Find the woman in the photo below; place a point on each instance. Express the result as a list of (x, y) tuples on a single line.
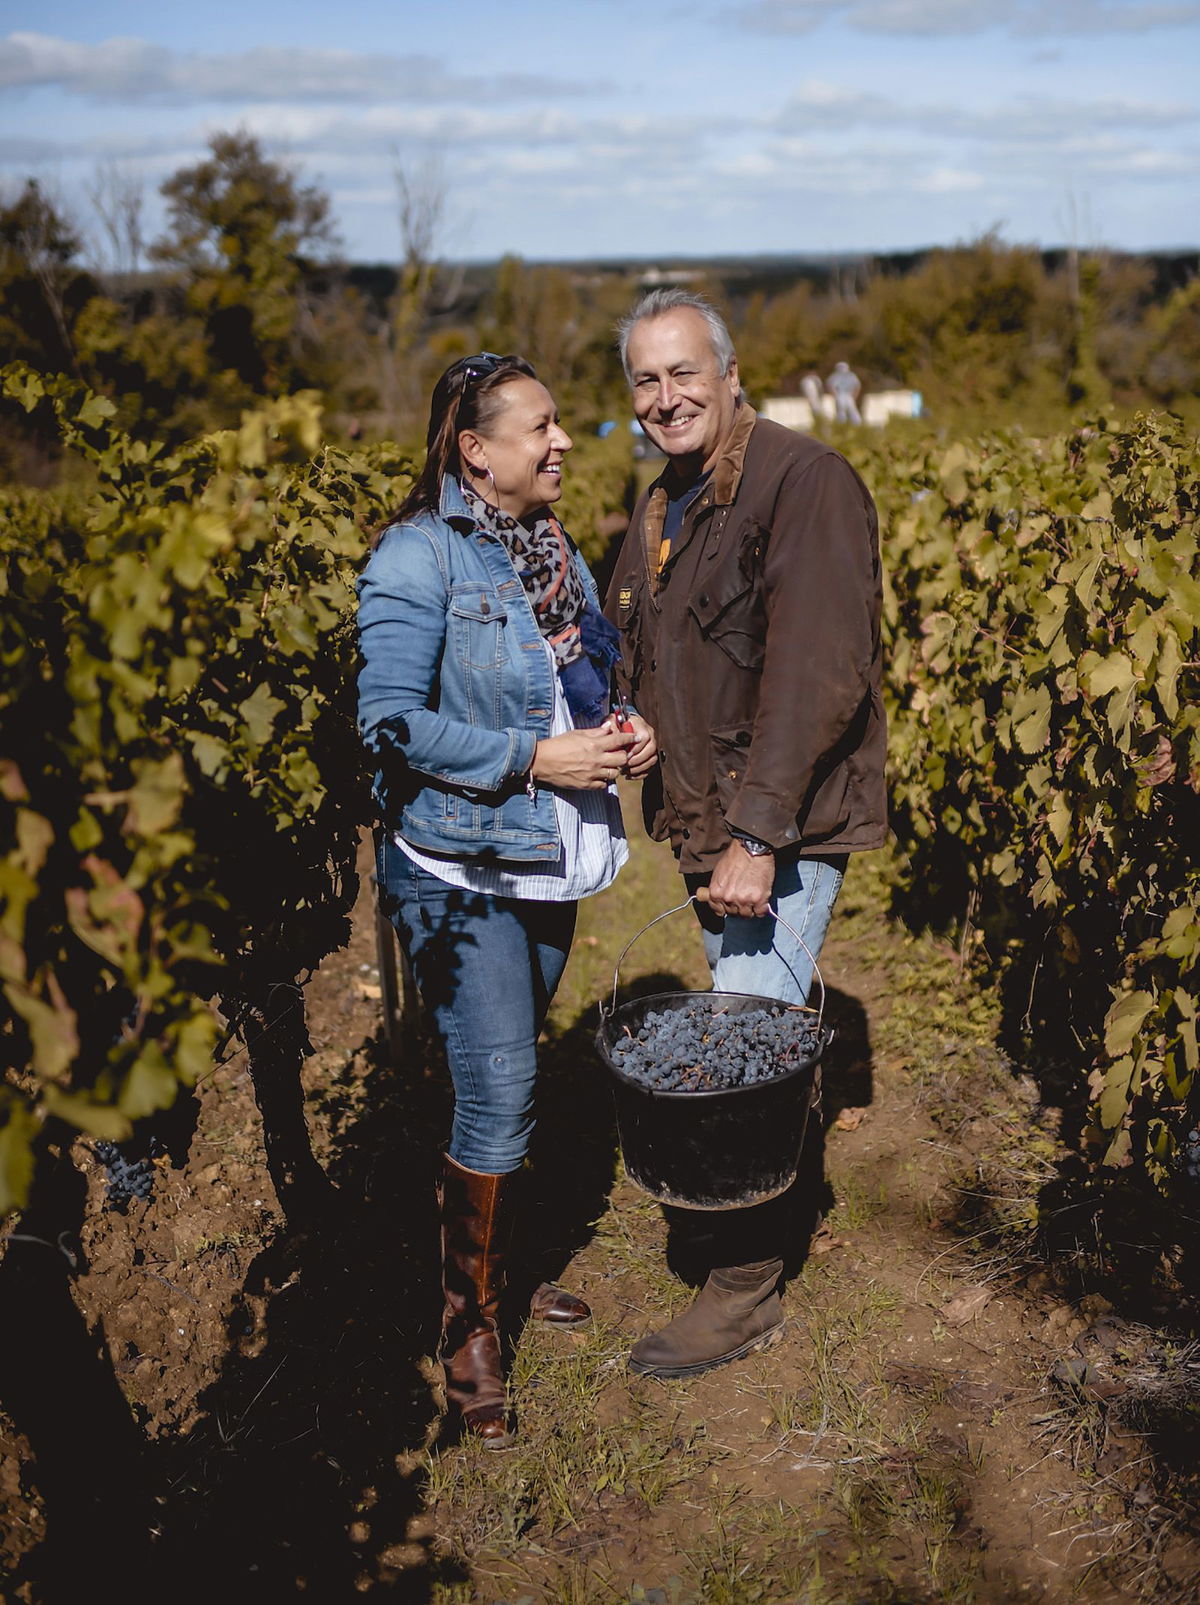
[(484, 697)]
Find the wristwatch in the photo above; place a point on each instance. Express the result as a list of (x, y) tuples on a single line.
[(754, 847)]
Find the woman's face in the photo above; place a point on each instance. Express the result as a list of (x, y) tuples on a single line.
[(524, 447)]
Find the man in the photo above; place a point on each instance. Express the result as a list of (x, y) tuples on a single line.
[(748, 595), (845, 387)]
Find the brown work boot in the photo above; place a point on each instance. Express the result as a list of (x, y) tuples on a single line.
[(476, 1226), (736, 1311)]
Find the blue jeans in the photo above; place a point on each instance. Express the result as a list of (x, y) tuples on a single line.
[(761, 955), (487, 968)]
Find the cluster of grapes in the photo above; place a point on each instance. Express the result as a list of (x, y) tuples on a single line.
[(1191, 1155), (127, 1178), (698, 1049)]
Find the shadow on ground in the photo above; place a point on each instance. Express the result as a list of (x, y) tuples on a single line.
[(304, 1474)]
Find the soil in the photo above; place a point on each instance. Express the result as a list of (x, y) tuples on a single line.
[(206, 1396)]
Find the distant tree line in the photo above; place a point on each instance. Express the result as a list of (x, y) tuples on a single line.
[(245, 297)]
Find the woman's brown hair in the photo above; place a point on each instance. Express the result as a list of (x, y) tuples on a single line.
[(465, 397)]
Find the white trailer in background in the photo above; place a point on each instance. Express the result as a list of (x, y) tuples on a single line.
[(877, 406)]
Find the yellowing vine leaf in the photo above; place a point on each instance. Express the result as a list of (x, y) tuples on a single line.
[(1124, 1021)]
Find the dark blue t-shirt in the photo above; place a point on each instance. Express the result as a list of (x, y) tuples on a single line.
[(677, 505)]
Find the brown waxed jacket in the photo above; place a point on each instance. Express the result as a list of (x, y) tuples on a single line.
[(756, 654)]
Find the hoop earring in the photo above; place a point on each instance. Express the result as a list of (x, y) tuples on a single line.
[(479, 473)]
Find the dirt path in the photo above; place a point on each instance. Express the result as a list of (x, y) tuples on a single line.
[(260, 1400)]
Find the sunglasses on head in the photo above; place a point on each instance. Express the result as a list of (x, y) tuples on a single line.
[(478, 367)]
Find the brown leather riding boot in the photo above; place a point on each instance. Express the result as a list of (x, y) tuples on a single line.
[(476, 1226), (554, 1306), (736, 1311)]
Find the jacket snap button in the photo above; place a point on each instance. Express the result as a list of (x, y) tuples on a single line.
[(653, 664), (483, 606), (743, 739), (733, 774), (703, 599)]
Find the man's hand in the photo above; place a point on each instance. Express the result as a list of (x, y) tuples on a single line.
[(643, 754), (741, 884)]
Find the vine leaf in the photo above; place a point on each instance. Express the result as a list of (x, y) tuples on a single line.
[(1031, 717), (260, 710)]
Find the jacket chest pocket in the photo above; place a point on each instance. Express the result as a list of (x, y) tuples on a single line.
[(729, 606), (476, 622)]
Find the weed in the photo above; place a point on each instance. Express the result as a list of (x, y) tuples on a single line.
[(857, 1203), (763, 1553), (218, 1243)]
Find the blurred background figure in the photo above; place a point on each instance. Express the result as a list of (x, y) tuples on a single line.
[(813, 392), (845, 387)]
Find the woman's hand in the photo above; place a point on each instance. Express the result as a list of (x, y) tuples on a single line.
[(581, 760), (643, 754)]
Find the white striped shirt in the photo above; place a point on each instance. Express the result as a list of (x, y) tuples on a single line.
[(589, 827)]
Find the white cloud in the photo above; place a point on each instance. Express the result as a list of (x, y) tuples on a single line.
[(1022, 118), (830, 167), (133, 71), (784, 16), (949, 181), (928, 16), (949, 17)]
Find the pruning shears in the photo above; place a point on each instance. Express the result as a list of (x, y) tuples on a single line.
[(624, 722)]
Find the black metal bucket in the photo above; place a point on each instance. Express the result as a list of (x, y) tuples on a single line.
[(723, 1149)]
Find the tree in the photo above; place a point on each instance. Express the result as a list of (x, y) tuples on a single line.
[(41, 292), (119, 200), (244, 233), (43, 300)]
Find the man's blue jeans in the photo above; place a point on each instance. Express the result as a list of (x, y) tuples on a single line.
[(487, 968), (762, 956)]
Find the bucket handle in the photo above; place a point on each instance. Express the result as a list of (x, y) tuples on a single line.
[(678, 909)]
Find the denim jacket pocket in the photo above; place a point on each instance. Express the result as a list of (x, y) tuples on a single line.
[(476, 623)]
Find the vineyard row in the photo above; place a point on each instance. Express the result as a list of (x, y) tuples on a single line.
[(181, 788)]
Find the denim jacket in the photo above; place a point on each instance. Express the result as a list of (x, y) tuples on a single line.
[(455, 688)]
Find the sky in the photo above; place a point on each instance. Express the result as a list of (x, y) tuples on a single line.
[(604, 128)]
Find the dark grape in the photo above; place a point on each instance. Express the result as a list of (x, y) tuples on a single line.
[(127, 1177), (701, 1047), (1190, 1155)]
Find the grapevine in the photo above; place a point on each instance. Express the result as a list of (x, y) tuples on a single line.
[(181, 785), (1042, 630)]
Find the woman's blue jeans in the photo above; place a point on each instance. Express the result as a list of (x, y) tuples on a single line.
[(761, 955), (487, 968)]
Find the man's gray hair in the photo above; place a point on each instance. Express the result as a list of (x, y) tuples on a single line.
[(656, 302)]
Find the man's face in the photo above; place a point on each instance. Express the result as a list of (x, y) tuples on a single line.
[(681, 400)]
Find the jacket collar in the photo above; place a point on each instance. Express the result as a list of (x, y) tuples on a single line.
[(452, 506), (727, 470)]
